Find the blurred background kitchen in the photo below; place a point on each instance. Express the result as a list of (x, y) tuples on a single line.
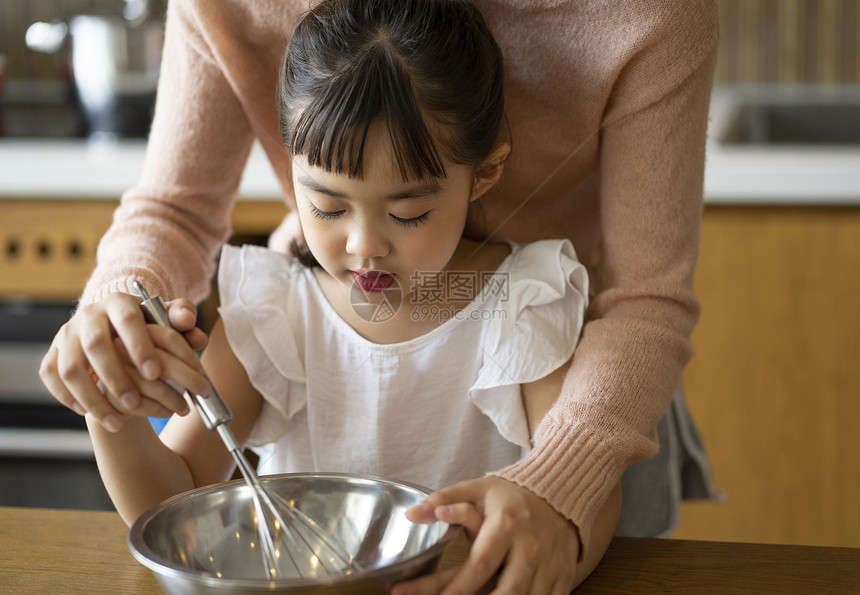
[(774, 385)]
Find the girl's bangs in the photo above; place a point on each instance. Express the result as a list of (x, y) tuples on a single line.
[(331, 131)]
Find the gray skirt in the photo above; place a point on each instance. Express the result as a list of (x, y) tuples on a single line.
[(653, 489)]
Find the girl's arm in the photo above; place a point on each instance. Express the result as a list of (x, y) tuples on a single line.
[(202, 449), (136, 468), (539, 396), (140, 468)]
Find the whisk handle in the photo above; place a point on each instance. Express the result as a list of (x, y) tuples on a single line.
[(212, 409)]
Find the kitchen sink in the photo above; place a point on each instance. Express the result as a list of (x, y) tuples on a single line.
[(786, 115), (793, 144)]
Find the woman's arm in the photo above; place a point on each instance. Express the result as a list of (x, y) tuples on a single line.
[(629, 361), (538, 398), (166, 229)]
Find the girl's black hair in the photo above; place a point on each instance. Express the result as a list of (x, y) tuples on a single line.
[(429, 69)]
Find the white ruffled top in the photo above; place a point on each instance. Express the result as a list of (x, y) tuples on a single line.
[(434, 410)]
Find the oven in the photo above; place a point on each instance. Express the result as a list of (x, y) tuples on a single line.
[(46, 457)]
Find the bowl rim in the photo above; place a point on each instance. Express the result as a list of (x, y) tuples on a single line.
[(161, 566)]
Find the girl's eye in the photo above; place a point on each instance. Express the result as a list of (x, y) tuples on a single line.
[(320, 214), (412, 221)]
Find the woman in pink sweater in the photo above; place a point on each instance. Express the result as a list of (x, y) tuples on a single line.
[(607, 104)]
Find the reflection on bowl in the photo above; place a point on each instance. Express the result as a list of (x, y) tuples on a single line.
[(204, 541)]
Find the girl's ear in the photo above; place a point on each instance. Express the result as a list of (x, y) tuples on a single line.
[(489, 172)]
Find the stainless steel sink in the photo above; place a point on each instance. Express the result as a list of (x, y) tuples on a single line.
[(784, 144), (786, 115)]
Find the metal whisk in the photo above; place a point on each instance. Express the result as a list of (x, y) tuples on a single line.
[(292, 544)]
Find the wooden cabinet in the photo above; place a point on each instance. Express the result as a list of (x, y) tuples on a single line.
[(48, 247), (775, 382)]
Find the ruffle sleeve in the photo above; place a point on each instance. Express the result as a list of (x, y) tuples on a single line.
[(535, 326), (258, 290)]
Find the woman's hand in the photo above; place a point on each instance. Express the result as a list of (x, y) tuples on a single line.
[(514, 533), (109, 345)]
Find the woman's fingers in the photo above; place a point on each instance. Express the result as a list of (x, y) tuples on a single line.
[(178, 360), (49, 373), (108, 362), (486, 556), (463, 514), (466, 491), (181, 370), (517, 537), (97, 330), (70, 374), (524, 571), (179, 366), (126, 318), (83, 351), (183, 317), (161, 400)]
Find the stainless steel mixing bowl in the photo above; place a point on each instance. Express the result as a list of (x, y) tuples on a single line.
[(205, 540)]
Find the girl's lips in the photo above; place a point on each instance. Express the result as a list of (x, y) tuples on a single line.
[(372, 281)]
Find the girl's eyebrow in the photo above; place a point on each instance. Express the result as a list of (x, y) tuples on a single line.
[(422, 190), (311, 184)]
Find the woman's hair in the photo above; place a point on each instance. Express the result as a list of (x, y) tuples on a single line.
[(429, 70)]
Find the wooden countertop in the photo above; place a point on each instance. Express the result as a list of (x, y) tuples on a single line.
[(63, 551)]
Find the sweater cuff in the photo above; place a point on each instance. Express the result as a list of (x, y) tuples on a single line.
[(574, 468), (119, 280)]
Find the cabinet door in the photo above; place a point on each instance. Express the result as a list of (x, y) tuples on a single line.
[(49, 246), (775, 382)]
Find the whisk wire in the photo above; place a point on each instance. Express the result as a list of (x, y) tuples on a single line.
[(327, 553)]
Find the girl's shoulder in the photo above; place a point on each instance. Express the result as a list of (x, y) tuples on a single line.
[(253, 269), (249, 255), (541, 256), (488, 257), (545, 269)]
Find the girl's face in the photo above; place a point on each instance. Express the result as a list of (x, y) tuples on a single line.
[(379, 229)]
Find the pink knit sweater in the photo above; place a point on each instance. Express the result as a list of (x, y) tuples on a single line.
[(607, 101)]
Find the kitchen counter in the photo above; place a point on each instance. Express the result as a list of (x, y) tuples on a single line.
[(81, 169), (782, 176), (53, 551), (78, 169)]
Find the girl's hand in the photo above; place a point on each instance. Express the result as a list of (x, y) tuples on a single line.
[(514, 533), (109, 341)]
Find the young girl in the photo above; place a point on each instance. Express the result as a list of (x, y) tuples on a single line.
[(389, 343)]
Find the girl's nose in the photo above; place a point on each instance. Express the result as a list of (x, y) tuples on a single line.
[(363, 242)]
